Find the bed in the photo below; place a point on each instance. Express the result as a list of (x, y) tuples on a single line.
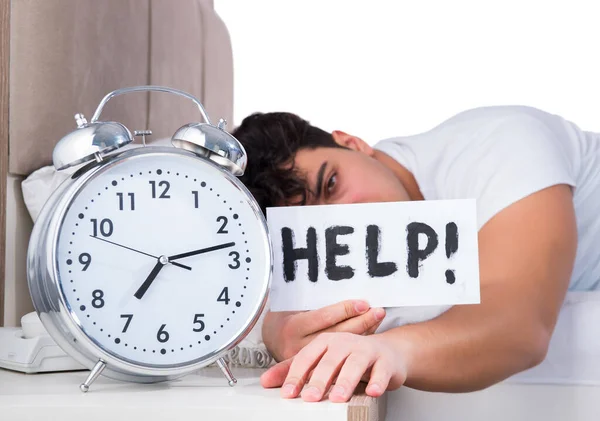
[(59, 57)]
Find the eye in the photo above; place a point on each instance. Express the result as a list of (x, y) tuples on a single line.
[(331, 183)]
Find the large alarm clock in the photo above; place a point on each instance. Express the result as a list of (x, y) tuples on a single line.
[(153, 262)]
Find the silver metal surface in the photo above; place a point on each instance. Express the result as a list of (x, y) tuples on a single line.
[(145, 89), (94, 139), (89, 141), (143, 133), (226, 371), (96, 371), (54, 311), (212, 143)]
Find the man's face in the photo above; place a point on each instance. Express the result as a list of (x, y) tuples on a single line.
[(341, 176)]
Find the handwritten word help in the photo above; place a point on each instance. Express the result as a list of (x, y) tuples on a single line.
[(375, 268), (390, 254)]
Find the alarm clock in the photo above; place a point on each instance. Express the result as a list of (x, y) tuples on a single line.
[(152, 262)]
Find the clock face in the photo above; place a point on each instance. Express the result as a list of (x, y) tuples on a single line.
[(162, 259)]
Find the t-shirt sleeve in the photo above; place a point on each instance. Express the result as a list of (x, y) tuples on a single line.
[(520, 156)]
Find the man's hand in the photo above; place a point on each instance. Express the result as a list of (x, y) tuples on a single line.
[(347, 356), (286, 333)]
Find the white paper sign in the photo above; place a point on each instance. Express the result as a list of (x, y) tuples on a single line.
[(391, 254)]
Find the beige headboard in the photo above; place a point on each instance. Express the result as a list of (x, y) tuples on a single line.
[(60, 57)]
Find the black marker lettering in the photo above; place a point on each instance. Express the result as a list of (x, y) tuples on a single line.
[(415, 255), (376, 268), (451, 248), (291, 254), (333, 249), (451, 239)]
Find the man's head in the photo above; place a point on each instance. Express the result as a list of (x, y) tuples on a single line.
[(291, 162)]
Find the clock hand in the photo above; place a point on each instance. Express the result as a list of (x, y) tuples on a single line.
[(200, 251), (141, 252), (162, 261)]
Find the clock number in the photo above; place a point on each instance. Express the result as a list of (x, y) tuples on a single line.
[(106, 227), (162, 335), (85, 259), (198, 321), (236, 259), (164, 194), (131, 201), (98, 301), (128, 317), (222, 230), (195, 193), (224, 296)]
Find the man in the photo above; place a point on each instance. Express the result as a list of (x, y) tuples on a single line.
[(536, 181)]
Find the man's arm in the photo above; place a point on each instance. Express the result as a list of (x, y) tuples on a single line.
[(526, 255)]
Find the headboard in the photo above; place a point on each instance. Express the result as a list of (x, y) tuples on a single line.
[(60, 57)]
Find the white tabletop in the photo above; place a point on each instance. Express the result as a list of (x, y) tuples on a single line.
[(202, 396), (206, 396)]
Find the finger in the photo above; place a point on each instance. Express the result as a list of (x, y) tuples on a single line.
[(305, 361), (350, 375), (275, 375), (364, 323), (324, 373), (374, 328), (380, 378), (316, 320)]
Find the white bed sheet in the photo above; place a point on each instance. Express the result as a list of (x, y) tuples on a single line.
[(574, 354)]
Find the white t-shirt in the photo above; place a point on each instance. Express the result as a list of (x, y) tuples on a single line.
[(499, 155)]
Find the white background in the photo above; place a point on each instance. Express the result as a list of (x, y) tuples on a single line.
[(383, 68)]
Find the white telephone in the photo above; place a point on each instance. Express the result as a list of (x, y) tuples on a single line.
[(30, 349)]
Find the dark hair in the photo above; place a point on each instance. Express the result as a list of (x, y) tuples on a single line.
[(271, 141)]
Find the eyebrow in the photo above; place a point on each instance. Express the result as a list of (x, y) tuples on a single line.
[(320, 179)]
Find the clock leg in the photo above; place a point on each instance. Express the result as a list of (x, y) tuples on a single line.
[(85, 386), (226, 371)]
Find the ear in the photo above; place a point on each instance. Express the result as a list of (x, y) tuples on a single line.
[(352, 142)]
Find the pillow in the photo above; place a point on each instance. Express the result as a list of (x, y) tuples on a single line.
[(40, 184)]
